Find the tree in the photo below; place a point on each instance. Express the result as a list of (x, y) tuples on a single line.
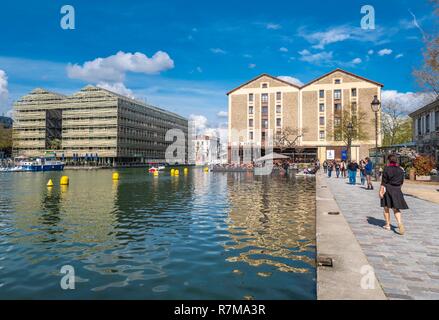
[(348, 126), (5, 139), (396, 125), (428, 75), (287, 138)]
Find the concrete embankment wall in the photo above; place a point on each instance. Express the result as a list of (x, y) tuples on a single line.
[(351, 277)]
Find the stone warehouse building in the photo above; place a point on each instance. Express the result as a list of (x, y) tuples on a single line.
[(92, 124), (311, 111)]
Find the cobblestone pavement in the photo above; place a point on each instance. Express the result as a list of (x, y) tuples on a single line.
[(406, 266)]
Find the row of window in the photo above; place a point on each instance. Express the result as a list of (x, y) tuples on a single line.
[(264, 97), (264, 123), (424, 123), (337, 95)]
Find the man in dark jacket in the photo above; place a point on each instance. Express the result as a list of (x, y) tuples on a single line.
[(352, 172)]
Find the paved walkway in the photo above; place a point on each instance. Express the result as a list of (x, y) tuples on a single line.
[(422, 190), (406, 266)]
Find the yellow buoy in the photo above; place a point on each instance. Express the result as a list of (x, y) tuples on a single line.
[(50, 183), (172, 172), (64, 181), (176, 172), (156, 173), (115, 176), (185, 170), (206, 169)]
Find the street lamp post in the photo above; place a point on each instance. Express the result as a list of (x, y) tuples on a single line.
[(350, 129), (376, 105)]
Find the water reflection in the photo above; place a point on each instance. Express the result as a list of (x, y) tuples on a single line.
[(213, 236), (272, 222)]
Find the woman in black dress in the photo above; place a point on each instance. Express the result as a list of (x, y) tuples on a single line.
[(391, 194)]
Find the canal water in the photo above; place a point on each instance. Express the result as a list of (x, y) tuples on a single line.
[(200, 236)]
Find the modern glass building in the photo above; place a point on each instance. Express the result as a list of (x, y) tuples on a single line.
[(93, 124)]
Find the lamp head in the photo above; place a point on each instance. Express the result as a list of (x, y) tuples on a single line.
[(375, 104)]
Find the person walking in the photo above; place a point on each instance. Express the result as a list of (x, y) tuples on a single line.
[(369, 171), (391, 194), (337, 169), (343, 169), (325, 166), (352, 172), (362, 172), (330, 168)]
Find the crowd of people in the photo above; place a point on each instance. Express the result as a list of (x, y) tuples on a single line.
[(350, 169), (392, 179)]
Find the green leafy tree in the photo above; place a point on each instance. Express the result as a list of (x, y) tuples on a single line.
[(5, 138), (349, 126)]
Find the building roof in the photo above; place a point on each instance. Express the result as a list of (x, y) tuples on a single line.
[(40, 94), (431, 105), (260, 76), (344, 71), (307, 84)]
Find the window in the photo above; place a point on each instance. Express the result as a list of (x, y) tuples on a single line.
[(278, 96), (337, 81), (353, 92), (337, 122), (354, 107), (321, 93), (436, 120), (322, 121), (250, 110), (427, 123), (264, 123), (263, 136), (264, 85), (250, 135), (278, 109), (322, 135), (250, 122), (250, 97), (265, 111), (278, 122), (337, 107), (419, 126), (322, 107), (264, 97), (337, 94)]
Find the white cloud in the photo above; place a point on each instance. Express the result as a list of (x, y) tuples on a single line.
[(117, 87), (218, 51), (199, 121), (292, 80), (4, 93), (273, 26), (316, 58), (114, 68), (409, 101), (222, 114), (283, 49), (252, 65), (199, 69), (323, 38), (384, 52), (400, 55), (357, 61), (320, 39), (248, 56), (370, 52)]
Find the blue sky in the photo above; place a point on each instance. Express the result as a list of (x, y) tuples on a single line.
[(205, 48)]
